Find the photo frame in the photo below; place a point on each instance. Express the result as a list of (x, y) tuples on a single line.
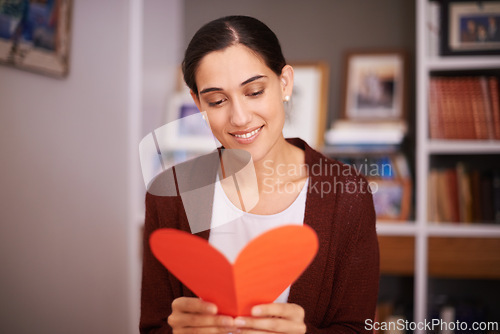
[(470, 27), (375, 86), (35, 35), (392, 199), (187, 129), (388, 178), (307, 110)]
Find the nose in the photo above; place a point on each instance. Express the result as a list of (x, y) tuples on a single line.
[(240, 116)]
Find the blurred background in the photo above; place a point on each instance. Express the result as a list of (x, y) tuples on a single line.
[(71, 204)]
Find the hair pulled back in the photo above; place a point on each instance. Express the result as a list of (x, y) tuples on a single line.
[(227, 31)]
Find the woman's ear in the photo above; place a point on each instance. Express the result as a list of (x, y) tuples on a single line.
[(196, 100), (286, 79)]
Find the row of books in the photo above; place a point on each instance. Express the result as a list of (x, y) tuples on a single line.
[(463, 195), (464, 107)]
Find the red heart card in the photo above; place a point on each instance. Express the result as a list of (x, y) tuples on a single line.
[(262, 271)]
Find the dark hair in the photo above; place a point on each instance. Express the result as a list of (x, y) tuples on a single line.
[(231, 30)]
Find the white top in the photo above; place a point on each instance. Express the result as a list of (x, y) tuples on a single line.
[(241, 227)]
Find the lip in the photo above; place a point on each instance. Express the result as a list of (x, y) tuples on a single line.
[(250, 139)]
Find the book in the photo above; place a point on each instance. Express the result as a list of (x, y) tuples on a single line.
[(464, 193), (467, 111), (487, 212), (479, 104), (435, 105), (345, 132), (432, 197), (496, 196), (452, 184), (495, 105), (475, 184), (488, 108), (444, 205)]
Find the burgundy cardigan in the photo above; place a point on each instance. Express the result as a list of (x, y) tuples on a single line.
[(338, 291)]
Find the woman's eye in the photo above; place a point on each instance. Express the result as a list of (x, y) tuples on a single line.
[(257, 93), (216, 103)]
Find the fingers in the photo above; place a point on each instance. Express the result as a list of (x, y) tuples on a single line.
[(192, 315), (273, 325), (193, 305), (202, 330), (282, 310), (191, 320), (275, 318)]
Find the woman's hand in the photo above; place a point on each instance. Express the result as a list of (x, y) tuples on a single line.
[(192, 315), (273, 318)]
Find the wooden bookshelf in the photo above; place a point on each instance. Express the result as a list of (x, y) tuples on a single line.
[(455, 251)]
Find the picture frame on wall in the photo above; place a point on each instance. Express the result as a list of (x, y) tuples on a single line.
[(306, 111), (470, 27), (375, 86), (35, 35), (186, 128)]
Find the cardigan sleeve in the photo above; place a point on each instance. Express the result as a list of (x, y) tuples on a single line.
[(356, 277), (158, 285)]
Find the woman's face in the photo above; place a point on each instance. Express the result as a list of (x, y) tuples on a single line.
[(243, 99)]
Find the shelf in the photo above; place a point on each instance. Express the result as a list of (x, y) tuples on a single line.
[(455, 257), (397, 255), (396, 228), (464, 230), (443, 146), (454, 63)]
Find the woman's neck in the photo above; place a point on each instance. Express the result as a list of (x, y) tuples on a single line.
[(284, 162)]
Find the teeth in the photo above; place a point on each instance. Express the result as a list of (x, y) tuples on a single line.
[(248, 134)]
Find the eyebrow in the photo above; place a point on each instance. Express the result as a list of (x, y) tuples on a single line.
[(215, 89)]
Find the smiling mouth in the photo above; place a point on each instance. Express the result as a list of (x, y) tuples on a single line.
[(248, 134)]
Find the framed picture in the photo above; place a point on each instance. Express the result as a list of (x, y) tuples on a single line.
[(186, 128), (470, 27), (35, 35), (375, 86), (392, 199), (307, 110)]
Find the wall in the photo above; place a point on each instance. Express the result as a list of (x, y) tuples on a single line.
[(64, 185), (319, 29), (162, 54)]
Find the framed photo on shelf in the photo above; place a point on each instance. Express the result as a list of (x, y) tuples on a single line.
[(470, 27), (375, 86), (392, 199), (35, 35), (307, 110)]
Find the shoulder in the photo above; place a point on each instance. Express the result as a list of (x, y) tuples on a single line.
[(325, 169), (332, 181)]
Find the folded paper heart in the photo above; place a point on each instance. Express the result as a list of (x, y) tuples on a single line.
[(261, 272)]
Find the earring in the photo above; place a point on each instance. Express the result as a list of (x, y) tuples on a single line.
[(287, 98)]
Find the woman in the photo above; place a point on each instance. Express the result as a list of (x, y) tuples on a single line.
[(236, 72)]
